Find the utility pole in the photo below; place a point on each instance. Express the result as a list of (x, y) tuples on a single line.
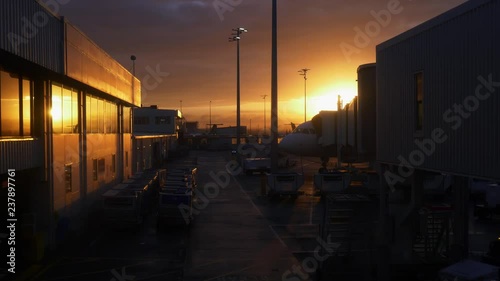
[(303, 72)]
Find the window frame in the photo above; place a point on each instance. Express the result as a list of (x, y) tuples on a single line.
[(21, 110)]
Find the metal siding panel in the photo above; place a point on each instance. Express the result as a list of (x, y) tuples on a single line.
[(89, 64), (20, 155), (452, 55), (42, 43), (366, 112)]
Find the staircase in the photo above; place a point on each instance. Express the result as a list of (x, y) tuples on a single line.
[(433, 238), (337, 232), (345, 230)]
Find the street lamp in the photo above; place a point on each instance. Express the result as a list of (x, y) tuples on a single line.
[(264, 97), (236, 36), (274, 87), (303, 72), (133, 58)]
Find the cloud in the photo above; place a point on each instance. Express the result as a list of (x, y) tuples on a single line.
[(188, 39)]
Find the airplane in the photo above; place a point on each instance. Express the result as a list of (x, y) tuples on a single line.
[(303, 141), (306, 140)]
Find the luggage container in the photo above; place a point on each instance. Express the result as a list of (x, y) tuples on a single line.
[(335, 181), (176, 183), (191, 173), (285, 183), (122, 206), (175, 205), (143, 189), (251, 165), (177, 177), (162, 176)]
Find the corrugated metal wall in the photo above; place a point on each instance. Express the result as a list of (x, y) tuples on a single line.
[(88, 63), (452, 53), (366, 123), (29, 31), (20, 155), (350, 119)]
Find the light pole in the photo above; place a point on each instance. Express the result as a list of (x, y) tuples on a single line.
[(303, 72), (274, 88), (133, 58), (264, 97), (236, 36)]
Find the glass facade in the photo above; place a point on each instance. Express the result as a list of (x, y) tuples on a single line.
[(27, 88), (64, 109), (16, 104), (126, 120), (102, 116)]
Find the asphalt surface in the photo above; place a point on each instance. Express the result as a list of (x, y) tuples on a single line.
[(236, 234)]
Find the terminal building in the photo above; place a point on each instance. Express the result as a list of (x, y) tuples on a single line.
[(65, 121), (154, 136), (437, 128)]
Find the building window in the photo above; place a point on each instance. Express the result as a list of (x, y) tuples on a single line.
[(68, 178), (101, 166), (102, 116), (64, 109), (126, 120), (113, 163), (101, 113), (159, 120), (111, 118), (16, 105), (94, 116), (419, 94), (27, 97), (94, 169), (141, 120)]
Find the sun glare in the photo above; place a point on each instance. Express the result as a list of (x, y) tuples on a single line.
[(326, 99)]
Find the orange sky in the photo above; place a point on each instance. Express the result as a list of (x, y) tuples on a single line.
[(189, 40)]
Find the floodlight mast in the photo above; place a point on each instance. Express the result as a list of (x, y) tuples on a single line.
[(303, 72), (236, 36)]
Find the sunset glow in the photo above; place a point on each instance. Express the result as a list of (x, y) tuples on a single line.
[(202, 64)]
